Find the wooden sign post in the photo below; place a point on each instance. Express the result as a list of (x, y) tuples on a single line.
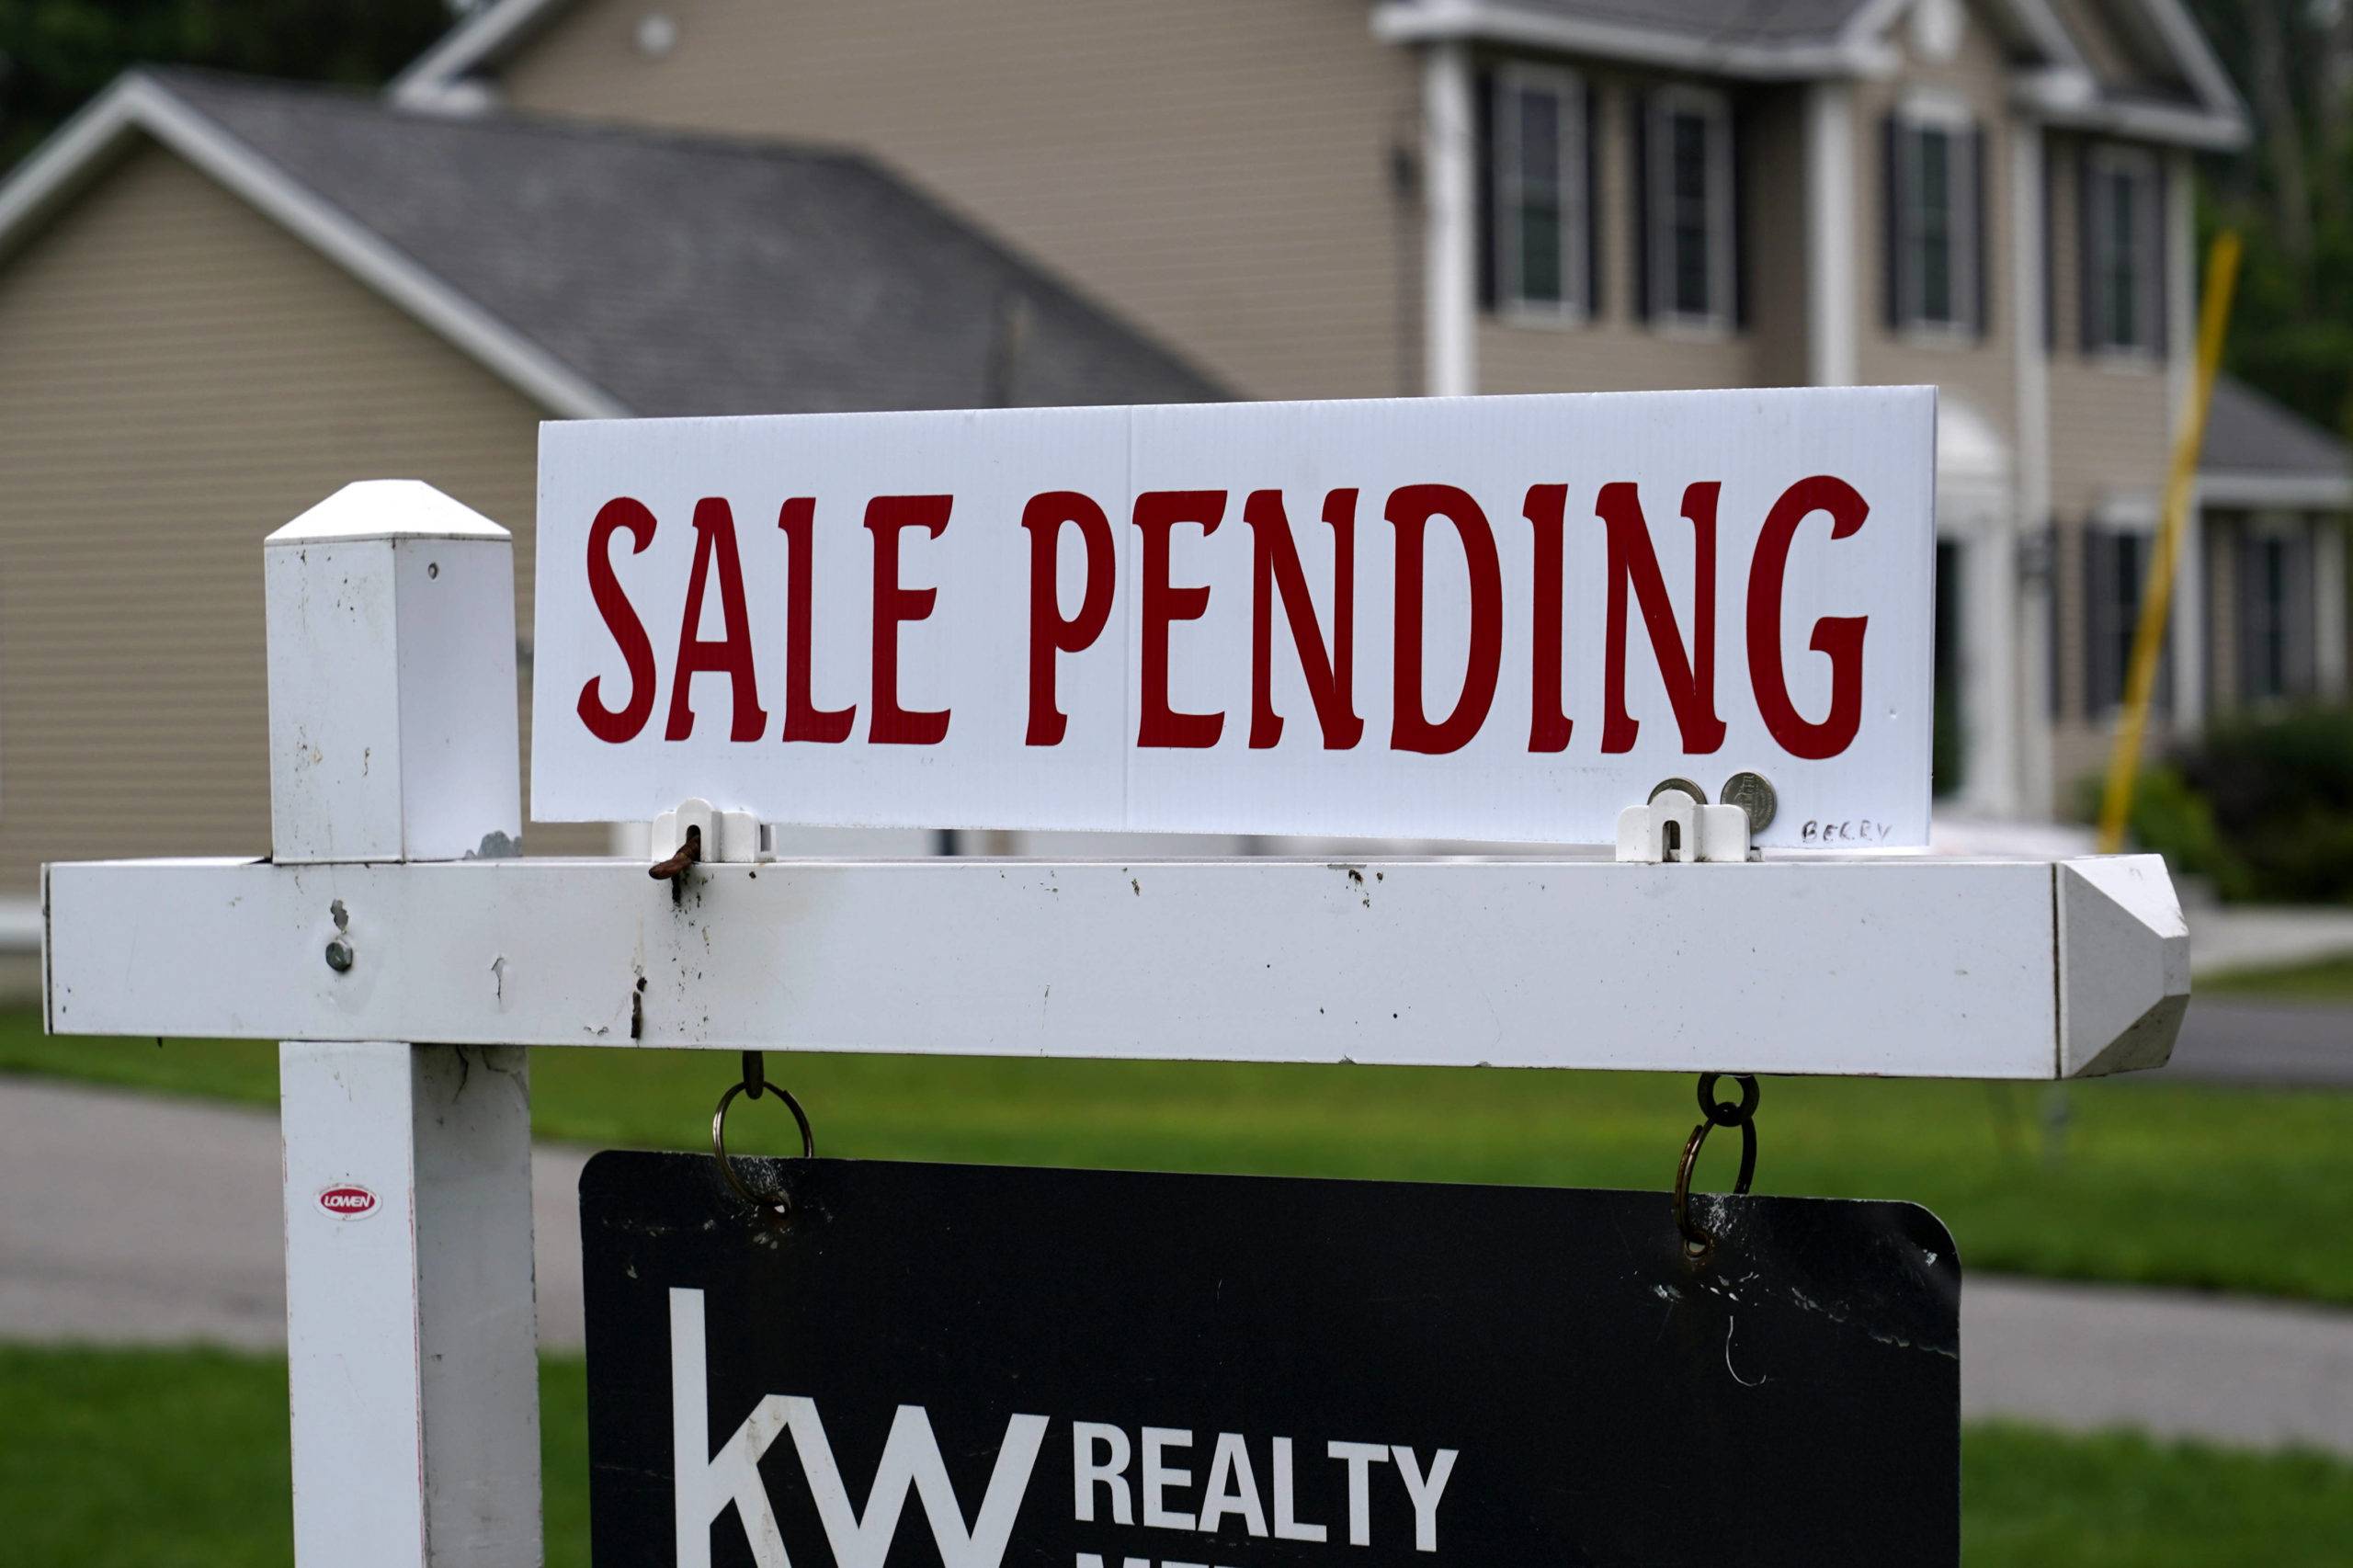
[(393, 910)]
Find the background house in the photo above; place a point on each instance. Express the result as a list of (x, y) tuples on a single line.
[(1335, 198), (219, 299)]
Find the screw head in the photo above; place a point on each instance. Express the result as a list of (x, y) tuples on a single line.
[(339, 955), (1753, 793)]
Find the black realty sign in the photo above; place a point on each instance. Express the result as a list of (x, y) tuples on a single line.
[(983, 1367)]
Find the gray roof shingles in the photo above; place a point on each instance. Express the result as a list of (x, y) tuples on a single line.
[(691, 275), (2248, 432)]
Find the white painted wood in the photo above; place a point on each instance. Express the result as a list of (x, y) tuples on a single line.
[(2124, 1011), (393, 721), (1879, 965), (411, 1356), (1818, 505)]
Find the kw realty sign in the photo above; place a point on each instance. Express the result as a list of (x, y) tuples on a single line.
[(1482, 617), (977, 1368)]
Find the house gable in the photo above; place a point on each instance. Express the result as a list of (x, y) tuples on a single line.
[(179, 375), (1235, 176)]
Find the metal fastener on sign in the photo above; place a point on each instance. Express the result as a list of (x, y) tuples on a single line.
[(1753, 793), (1663, 785), (339, 955)]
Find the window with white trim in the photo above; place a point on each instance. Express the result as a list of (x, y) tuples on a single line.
[(1689, 184), (2276, 575), (1937, 217), (2124, 249), (2116, 578), (1541, 210)]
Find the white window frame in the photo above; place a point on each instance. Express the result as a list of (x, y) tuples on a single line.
[(1568, 89), (2140, 165), (1667, 105), (1954, 119)]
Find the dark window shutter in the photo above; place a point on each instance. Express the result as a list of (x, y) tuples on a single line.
[(2050, 247), (1639, 108), (2161, 290), (1738, 174), (1892, 189), (1490, 213), (1593, 253), (2103, 668), (2090, 330), (2054, 687), (2249, 603), (1979, 232)]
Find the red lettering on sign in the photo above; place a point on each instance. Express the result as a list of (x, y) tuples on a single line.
[(1331, 673), (731, 654), (1840, 637), (804, 720), (1690, 680), (1547, 721), (1411, 508), (1157, 514), (886, 515), (1050, 633), (620, 515)]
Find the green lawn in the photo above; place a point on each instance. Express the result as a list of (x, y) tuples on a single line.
[(177, 1460), (2322, 980), (2180, 1184)]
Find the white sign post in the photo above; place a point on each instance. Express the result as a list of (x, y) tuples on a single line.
[(393, 912)]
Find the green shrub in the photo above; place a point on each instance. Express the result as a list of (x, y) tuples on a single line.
[(2277, 793), (2171, 818)]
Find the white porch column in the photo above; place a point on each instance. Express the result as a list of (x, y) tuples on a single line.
[(1450, 202), (410, 1331), (2033, 566), (1831, 248), (2328, 608)]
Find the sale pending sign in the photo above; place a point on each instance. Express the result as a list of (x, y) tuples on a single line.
[(1500, 618)]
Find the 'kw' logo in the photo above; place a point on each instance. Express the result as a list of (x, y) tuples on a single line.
[(911, 1460)]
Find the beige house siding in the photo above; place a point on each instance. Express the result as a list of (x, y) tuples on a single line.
[(178, 378), (2110, 427), (1232, 175), (1980, 368), (1616, 350)]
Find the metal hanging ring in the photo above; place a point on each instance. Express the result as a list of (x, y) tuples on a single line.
[(1700, 1242), (777, 1205), (1724, 1113)]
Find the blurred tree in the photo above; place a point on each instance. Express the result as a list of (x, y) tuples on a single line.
[(2291, 195), (55, 55)]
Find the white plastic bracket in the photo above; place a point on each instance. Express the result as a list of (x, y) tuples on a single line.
[(728, 837), (1674, 827)]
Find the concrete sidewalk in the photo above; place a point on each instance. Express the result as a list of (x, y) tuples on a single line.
[(126, 1220)]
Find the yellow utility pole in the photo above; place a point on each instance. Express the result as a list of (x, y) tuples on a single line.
[(2156, 596)]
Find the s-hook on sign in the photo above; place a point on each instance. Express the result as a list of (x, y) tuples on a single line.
[(1500, 618)]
